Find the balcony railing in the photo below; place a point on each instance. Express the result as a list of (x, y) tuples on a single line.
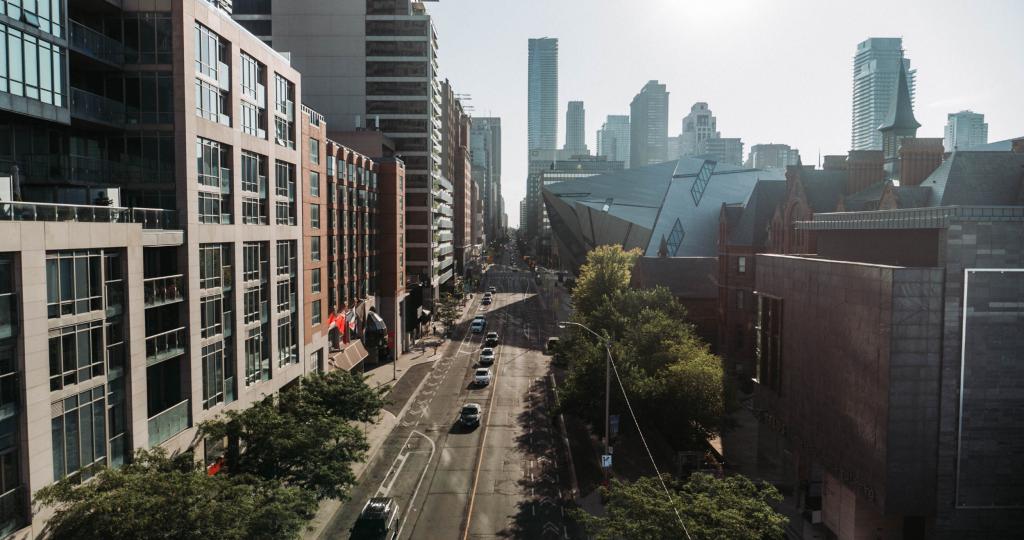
[(165, 345), (62, 168), (163, 290), (97, 108), (169, 423), (92, 43), (149, 218)]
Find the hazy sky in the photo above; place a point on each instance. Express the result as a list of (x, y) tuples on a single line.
[(771, 71)]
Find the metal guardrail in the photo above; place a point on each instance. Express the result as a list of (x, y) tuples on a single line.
[(149, 218), (169, 423), (165, 345), (163, 290), (95, 107), (92, 43)]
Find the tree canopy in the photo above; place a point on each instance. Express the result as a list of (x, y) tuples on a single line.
[(732, 507), (160, 497)]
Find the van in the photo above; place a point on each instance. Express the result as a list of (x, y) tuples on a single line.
[(552, 345)]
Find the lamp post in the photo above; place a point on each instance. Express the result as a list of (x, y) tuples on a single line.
[(607, 378)]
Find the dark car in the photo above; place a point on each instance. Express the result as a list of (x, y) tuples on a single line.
[(470, 415), (491, 340), (377, 521), (486, 301)]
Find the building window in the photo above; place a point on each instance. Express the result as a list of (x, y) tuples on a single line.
[(314, 151), (79, 433), (257, 362), (254, 211), (213, 163), (287, 348), (211, 310), (769, 342), (314, 281), (286, 257), (740, 299), (316, 316), (218, 375), (314, 184), (741, 265), (74, 282), (254, 97), (284, 107), (31, 67), (254, 120), (284, 182), (254, 255), (314, 216), (214, 208), (314, 248), (285, 300), (76, 354), (212, 102), (209, 51), (214, 265)]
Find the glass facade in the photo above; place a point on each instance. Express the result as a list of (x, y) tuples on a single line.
[(31, 67)]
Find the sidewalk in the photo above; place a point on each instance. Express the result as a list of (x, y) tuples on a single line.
[(428, 349)]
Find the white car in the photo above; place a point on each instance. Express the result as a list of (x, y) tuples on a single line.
[(482, 376), (487, 356), (477, 326)]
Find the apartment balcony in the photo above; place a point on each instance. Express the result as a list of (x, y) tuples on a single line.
[(444, 196), (64, 168), (166, 345), (442, 183), (95, 45), (160, 291), (149, 218), (95, 108), (169, 423)]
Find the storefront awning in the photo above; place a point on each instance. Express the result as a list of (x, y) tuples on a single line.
[(375, 323), (350, 357), (424, 315)]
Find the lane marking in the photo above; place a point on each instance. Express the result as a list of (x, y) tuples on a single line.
[(412, 500)]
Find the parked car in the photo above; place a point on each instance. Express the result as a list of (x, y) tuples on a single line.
[(477, 326), (482, 376), (377, 521), (491, 340), (487, 356), (470, 415)]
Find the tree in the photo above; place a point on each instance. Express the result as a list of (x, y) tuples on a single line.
[(307, 439), (448, 310), (732, 507), (160, 497), (607, 271)]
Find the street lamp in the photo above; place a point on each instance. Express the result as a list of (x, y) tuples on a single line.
[(607, 377)]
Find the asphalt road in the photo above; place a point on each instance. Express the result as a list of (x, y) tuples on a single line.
[(500, 480)]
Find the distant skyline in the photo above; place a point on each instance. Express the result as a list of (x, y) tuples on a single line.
[(774, 72)]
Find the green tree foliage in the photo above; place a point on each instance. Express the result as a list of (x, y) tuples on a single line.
[(733, 507), (172, 498), (307, 439), (448, 309), (663, 365)]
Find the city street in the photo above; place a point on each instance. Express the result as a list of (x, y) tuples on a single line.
[(502, 479)]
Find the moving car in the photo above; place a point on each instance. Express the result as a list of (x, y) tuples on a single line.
[(552, 345), (491, 340), (492, 289), (487, 356), (482, 376), (486, 301), (470, 415), (377, 521), (478, 325)]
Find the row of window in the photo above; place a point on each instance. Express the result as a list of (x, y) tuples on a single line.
[(213, 166), (31, 67)]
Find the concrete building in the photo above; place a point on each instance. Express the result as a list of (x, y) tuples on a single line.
[(542, 94), (965, 129), (576, 129), (773, 155), (724, 150), (613, 138), (147, 204), (698, 126), (648, 128), (876, 68), (884, 383), (485, 155), (457, 169), (373, 64)]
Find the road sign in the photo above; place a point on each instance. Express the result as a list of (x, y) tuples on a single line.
[(606, 461)]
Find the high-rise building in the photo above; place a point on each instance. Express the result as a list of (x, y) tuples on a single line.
[(485, 150), (779, 156), (542, 94), (648, 126), (613, 138), (456, 168), (522, 214), (152, 239), (725, 150), (698, 126), (876, 68), (575, 129), (964, 130), (375, 66)]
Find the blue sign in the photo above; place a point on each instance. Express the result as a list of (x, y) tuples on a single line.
[(606, 461)]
